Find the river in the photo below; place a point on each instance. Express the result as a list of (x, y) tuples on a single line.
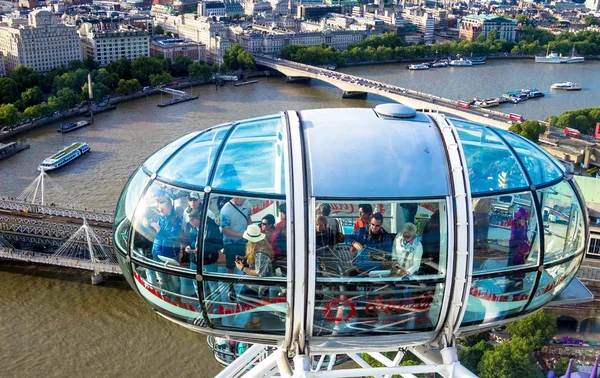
[(54, 323)]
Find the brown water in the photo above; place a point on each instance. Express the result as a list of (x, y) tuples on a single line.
[(54, 323)]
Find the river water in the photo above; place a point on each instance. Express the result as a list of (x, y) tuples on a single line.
[(54, 323)]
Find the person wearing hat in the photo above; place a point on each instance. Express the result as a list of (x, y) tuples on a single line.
[(258, 262), (195, 205), (518, 245)]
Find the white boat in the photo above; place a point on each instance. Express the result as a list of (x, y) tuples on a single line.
[(489, 103), (440, 63), (461, 62), (555, 58), (68, 127), (417, 67), (64, 156), (566, 86)]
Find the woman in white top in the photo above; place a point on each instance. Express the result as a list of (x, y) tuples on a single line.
[(407, 249)]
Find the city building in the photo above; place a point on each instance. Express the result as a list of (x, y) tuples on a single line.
[(2, 70), (172, 48), (39, 42), (593, 5), (422, 19), (316, 11), (211, 8), (256, 7), (105, 46), (473, 25)]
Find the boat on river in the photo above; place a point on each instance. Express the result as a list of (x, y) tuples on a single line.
[(417, 67), (566, 86), (68, 127), (462, 62), (10, 149), (64, 156), (477, 60), (555, 58), (440, 63)]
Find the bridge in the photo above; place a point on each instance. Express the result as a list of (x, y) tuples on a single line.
[(358, 87), (35, 229)]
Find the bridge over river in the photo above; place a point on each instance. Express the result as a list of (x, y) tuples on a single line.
[(358, 87)]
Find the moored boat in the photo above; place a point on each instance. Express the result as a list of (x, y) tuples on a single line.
[(68, 127), (533, 93), (417, 67), (476, 60), (64, 156), (554, 58), (461, 62), (566, 86), (10, 149), (440, 63), (489, 103)]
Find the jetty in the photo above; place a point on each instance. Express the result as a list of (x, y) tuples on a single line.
[(178, 96)]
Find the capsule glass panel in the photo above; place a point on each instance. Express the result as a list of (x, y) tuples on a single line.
[(252, 160), (380, 266), (192, 165), (539, 166), (498, 298), (563, 222), (155, 161), (126, 206), (553, 280), (505, 232), (490, 163)]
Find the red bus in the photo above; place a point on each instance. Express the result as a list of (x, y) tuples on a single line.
[(572, 132), (515, 117), (463, 104)]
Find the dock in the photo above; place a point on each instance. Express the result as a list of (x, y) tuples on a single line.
[(245, 83), (177, 101)]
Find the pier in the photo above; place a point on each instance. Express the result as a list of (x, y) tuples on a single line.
[(178, 96)]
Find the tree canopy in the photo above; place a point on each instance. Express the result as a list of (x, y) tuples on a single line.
[(529, 129)]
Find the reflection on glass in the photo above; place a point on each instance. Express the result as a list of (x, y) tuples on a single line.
[(490, 163), (180, 298), (192, 165), (155, 161), (497, 298), (252, 160), (553, 280), (563, 222), (376, 308), (539, 166), (505, 232), (126, 206)]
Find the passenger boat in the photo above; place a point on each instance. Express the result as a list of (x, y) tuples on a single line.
[(461, 62), (476, 60), (68, 127), (489, 103), (440, 63), (566, 86), (533, 93), (556, 58), (10, 149), (417, 67), (64, 156)]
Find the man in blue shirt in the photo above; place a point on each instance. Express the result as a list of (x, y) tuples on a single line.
[(235, 218), (373, 245)]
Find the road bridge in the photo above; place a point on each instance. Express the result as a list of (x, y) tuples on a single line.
[(358, 87)]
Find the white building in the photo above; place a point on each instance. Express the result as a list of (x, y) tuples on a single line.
[(105, 46), (593, 5), (211, 8), (211, 33), (41, 42), (2, 70), (473, 25), (424, 21)]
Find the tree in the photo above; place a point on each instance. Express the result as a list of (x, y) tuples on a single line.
[(32, 96), (99, 91), (143, 67), (9, 91), (199, 70), (529, 129), (471, 356), (180, 65), (562, 365), (537, 329), (32, 112), (590, 20), (102, 76), (160, 79), (25, 77), (510, 359), (521, 19), (128, 86), (552, 120), (120, 67), (469, 341), (68, 97), (9, 115), (159, 30), (90, 64)]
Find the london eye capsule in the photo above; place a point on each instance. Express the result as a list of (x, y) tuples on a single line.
[(336, 231)]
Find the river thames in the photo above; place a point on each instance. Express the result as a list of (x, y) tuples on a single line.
[(54, 323)]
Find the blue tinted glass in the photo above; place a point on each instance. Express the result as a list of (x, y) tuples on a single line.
[(540, 167), (253, 158), (155, 161), (490, 163), (192, 164)]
